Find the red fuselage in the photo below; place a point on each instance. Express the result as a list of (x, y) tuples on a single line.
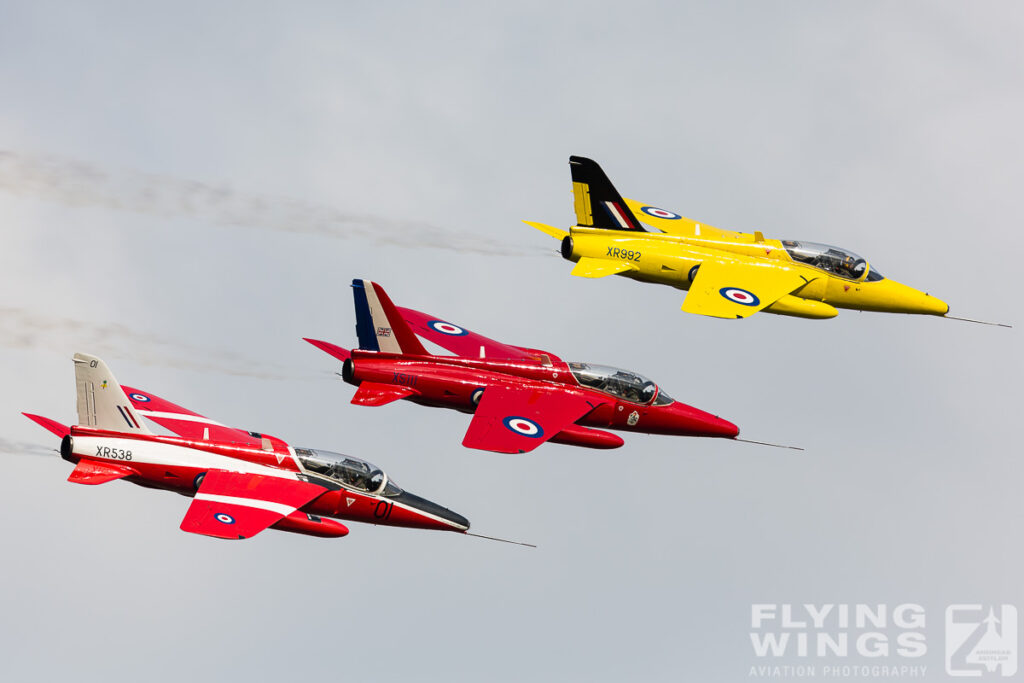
[(456, 382), (178, 464)]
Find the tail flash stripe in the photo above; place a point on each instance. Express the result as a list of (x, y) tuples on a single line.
[(130, 425), (618, 215)]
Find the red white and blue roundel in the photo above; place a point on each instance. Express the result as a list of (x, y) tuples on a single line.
[(224, 518), (447, 328), (739, 296), (660, 213), (141, 398), (523, 427)]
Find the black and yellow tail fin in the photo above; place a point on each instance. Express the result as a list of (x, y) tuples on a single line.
[(598, 204)]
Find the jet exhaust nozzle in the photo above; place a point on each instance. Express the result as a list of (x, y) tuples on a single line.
[(348, 371), (567, 247), (67, 447)]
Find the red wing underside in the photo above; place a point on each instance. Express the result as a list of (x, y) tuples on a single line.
[(236, 505), (512, 420)]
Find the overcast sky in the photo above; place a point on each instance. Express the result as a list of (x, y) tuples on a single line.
[(188, 191)]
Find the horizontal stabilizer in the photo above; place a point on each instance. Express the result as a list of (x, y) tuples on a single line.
[(557, 233), (375, 394), (330, 349), (48, 424), (91, 472), (595, 267)]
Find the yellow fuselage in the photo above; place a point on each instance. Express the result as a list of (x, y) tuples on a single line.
[(672, 260)]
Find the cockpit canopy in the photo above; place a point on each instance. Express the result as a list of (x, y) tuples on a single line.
[(624, 384), (830, 259), (351, 472)]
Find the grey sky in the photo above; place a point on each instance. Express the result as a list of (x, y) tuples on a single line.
[(892, 129)]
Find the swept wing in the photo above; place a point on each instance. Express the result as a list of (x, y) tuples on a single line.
[(237, 505), (730, 287), (517, 420), (192, 425)]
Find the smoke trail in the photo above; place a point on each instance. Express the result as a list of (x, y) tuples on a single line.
[(25, 448), (80, 184), (21, 329)]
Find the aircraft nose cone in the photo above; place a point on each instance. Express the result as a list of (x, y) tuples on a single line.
[(937, 306), (724, 428), (444, 517), (895, 297), (699, 423)]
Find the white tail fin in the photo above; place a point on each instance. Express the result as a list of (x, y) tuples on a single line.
[(379, 325), (102, 402)]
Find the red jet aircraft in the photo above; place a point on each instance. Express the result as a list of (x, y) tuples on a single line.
[(240, 482), (519, 397)]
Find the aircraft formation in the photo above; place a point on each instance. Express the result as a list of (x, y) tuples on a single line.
[(242, 482)]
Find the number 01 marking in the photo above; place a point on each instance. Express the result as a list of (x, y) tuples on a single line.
[(383, 509)]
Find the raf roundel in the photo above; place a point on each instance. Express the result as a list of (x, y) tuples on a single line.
[(447, 328), (660, 213), (141, 398), (224, 518), (739, 296), (523, 427)]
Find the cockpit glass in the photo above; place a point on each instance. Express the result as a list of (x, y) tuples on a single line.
[(621, 383), (351, 472), (874, 275), (663, 399), (830, 259)]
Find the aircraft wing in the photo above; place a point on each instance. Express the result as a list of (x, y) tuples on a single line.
[(738, 288), (674, 224), (461, 341), (191, 425), (517, 420), (238, 505)]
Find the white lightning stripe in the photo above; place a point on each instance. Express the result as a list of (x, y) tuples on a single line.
[(618, 216), (179, 416), (279, 508), (424, 513)]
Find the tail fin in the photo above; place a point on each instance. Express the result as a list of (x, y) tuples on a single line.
[(598, 204), (379, 326), (102, 402)]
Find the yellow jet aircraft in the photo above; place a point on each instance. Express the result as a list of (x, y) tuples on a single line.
[(728, 274)]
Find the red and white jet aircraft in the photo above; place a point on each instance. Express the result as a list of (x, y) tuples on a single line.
[(519, 397), (240, 482)]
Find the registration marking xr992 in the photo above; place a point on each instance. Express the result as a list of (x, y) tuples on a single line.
[(627, 254)]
